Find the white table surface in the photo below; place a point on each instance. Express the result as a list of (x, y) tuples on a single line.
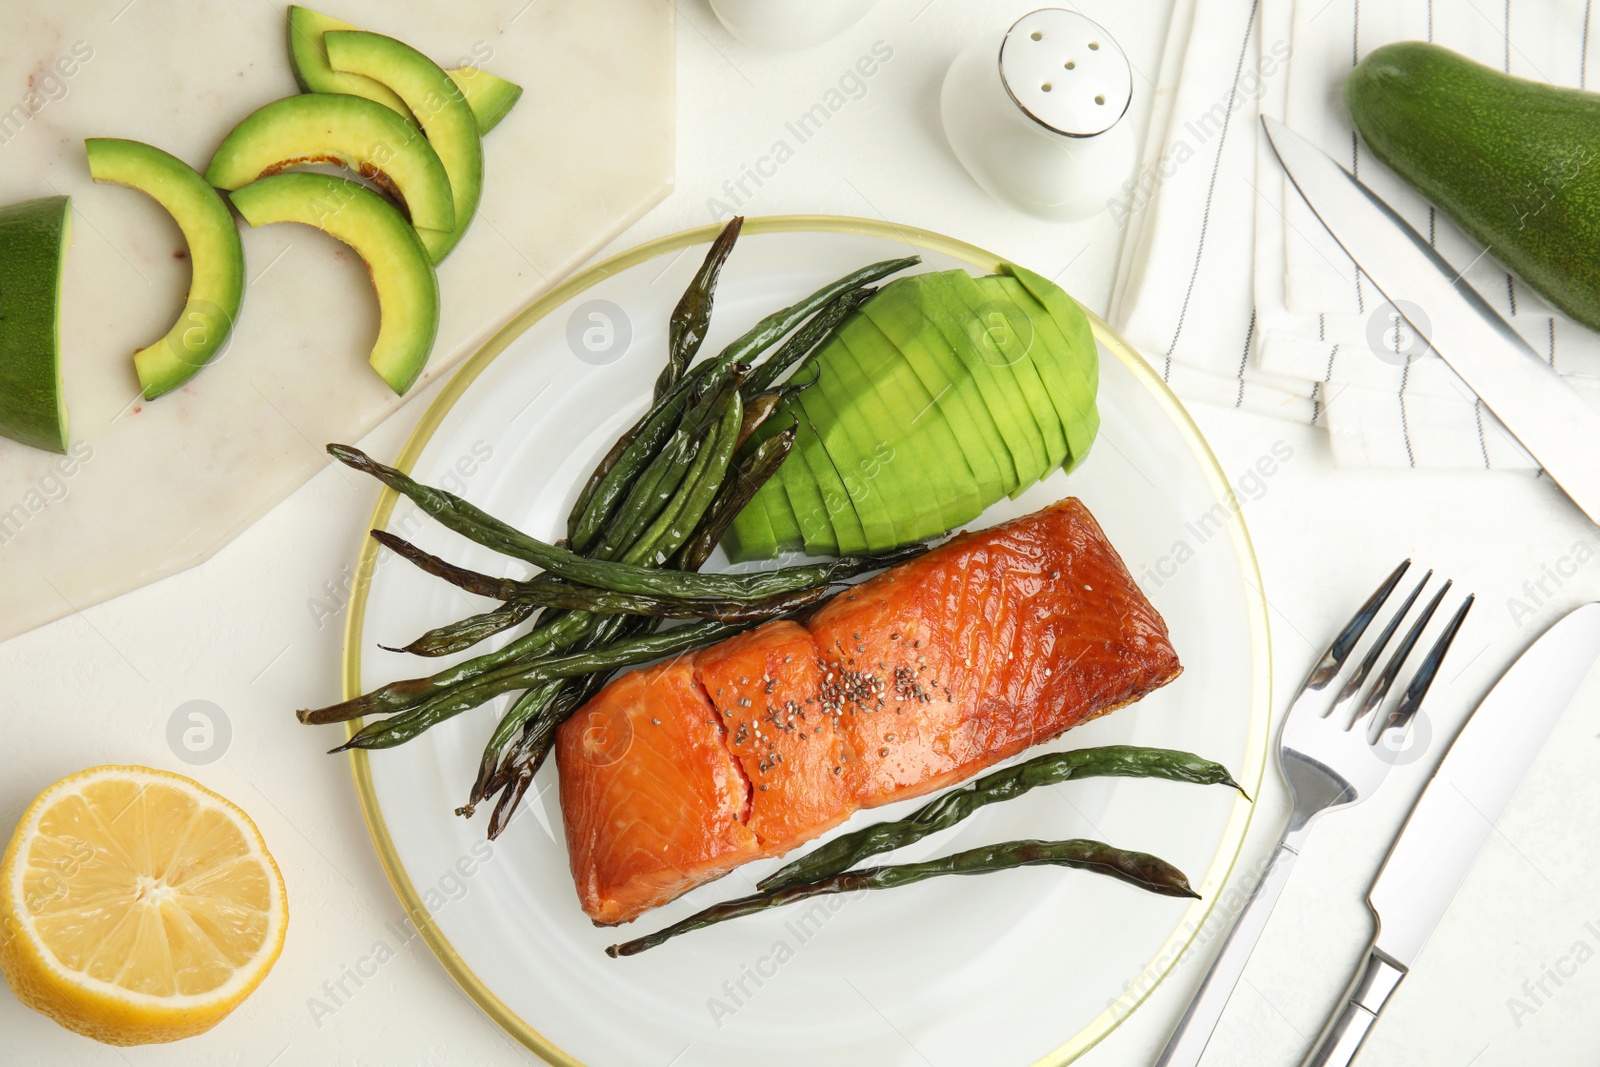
[(245, 632)]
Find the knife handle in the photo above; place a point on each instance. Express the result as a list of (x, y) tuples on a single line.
[(1342, 1038)]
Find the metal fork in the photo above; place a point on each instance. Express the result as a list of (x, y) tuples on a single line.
[(1329, 763)]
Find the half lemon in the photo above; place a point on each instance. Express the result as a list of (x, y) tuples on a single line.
[(137, 906)]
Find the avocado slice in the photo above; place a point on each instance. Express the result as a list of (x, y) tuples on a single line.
[(437, 102), (216, 257), (1075, 372), (408, 291), (491, 98), (34, 236), (780, 514), (365, 137), (1002, 334), (848, 532), (1510, 160), (849, 448), (996, 383), (900, 318), (805, 500), (751, 536), (308, 62), (890, 398)]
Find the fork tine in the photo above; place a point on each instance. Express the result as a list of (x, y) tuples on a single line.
[(1339, 651), (1364, 668), (1380, 688), (1404, 711)]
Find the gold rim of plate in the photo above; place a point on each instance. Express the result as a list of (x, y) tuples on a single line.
[(1125, 1001)]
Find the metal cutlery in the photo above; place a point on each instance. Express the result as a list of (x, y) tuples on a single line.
[(1331, 758), (1455, 815)]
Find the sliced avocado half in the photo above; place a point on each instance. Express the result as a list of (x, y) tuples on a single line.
[(308, 61), (216, 257), (408, 290), (490, 98), (437, 103), (368, 138), (33, 242)]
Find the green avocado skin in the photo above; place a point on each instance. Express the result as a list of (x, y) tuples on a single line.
[(1515, 163)]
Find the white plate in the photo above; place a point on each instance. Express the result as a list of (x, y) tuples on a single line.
[(1014, 968)]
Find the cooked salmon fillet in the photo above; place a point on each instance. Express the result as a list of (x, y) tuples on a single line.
[(913, 680)]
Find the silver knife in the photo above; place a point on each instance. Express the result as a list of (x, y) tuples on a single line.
[(1539, 409), (1455, 815)]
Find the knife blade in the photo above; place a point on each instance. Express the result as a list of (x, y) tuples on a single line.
[(1455, 815), (1545, 414)]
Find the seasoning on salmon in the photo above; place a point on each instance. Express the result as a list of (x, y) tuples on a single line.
[(911, 681)]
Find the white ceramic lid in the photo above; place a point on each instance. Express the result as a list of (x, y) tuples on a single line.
[(1066, 72)]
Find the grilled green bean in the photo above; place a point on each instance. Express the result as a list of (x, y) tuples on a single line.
[(685, 334), (943, 812), (1136, 868), (398, 729), (710, 462), (752, 473), (464, 518), (686, 330), (656, 488), (462, 634), (652, 430), (808, 338)]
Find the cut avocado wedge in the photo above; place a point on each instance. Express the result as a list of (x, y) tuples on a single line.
[(438, 105), (365, 137), (408, 291), (490, 98), (308, 60), (216, 257), (33, 242)]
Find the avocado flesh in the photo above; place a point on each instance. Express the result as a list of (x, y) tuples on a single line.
[(751, 539), (308, 61), (1512, 162), (844, 436), (408, 291), (996, 383), (780, 514), (1002, 334), (903, 420), (216, 257), (439, 107), (34, 236), (898, 313), (848, 533), (925, 471), (1081, 368), (1057, 361), (490, 98), (363, 136), (805, 498)]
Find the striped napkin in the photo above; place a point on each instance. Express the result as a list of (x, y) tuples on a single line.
[(1236, 292)]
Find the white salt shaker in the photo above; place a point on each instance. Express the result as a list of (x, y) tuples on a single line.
[(1037, 120), (784, 25)]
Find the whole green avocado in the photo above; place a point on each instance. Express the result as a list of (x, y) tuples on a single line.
[(1515, 163)]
